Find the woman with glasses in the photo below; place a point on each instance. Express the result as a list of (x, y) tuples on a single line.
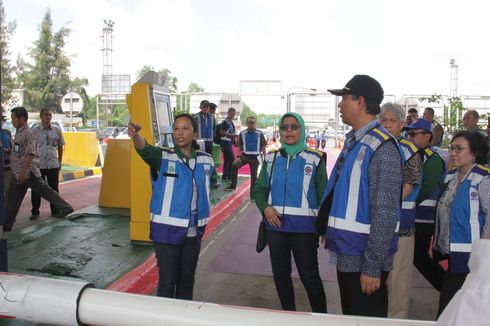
[(288, 193), (462, 210)]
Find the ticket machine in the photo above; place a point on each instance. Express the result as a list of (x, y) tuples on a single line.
[(149, 106)]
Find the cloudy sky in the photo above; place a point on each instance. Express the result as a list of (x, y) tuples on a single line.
[(320, 44)]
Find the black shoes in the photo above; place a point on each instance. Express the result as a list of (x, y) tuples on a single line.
[(231, 187), (65, 212), (34, 217)]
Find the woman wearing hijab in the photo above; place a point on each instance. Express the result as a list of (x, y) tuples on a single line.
[(288, 194)]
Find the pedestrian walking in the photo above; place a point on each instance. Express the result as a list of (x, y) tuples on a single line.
[(50, 142), (25, 169)]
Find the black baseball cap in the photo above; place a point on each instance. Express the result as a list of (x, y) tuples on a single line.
[(362, 85)]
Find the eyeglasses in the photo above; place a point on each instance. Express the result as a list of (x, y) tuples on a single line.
[(293, 126), (250, 121), (457, 149), (413, 133)]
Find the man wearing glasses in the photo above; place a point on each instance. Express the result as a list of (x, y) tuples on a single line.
[(250, 144), (420, 133), (364, 195)]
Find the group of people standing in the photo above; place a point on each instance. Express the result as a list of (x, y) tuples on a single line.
[(32, 159), (389, 195)]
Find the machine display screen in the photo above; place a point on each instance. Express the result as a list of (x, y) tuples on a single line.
[(163, 119)]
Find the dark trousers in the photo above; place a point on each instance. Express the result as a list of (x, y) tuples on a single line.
[(17, 193), (354, 302), (208, 145), (304, 247), (177, 266), (228, 158), (428, 267), (52, 176), (253, 162), (450, 285)]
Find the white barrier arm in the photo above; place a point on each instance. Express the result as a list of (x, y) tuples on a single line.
[(100, 307), (61, 302), (40, 300)]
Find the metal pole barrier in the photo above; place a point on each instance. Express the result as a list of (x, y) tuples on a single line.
[(51, 301)]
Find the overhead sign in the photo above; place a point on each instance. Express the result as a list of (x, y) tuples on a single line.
[(72, 103)]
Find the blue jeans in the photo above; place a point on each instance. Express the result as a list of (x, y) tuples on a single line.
[(177, 265), (304, 247)]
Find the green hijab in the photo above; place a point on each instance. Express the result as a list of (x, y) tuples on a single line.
[(293, 150)]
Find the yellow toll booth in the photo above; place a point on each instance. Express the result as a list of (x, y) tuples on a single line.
[(149, 105)]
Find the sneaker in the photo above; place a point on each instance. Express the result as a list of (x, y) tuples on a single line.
[(64, 213), (34, 217)]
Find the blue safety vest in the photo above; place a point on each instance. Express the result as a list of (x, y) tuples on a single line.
[(172, 193), (205, 126), (230, 130), (293, 190), (251, 142), (467, 218), (349, 222), (425, 212), (407, 220)]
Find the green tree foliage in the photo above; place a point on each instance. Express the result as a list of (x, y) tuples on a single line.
[(453, 111), (172, 80), (48, 79), (7, 79), (247, 112)]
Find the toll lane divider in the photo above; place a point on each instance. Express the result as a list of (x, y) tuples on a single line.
[(144, 278), (66, 176)]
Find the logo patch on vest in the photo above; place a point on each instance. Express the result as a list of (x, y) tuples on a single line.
[(171, 169), (474, 195), (207, 171), (360, 156), (308, 170)]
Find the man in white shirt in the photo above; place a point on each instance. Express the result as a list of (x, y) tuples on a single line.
[(50, 143)]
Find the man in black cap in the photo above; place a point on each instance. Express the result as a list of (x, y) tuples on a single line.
[(362, 201)]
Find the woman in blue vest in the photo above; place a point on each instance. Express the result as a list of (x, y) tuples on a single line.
[(288, 193), (462, 210), (180, 179)]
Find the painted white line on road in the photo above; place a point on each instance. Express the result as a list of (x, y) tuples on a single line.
[(81, 179)]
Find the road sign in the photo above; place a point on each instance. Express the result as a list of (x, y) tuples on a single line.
[(72, 104)]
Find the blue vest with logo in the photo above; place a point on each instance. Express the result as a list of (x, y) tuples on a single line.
[(425, 212), (293, 190), (172, 192), (205, 126), (230, 129), (349, 221), (467, 218), (251, 142), (407, 220)]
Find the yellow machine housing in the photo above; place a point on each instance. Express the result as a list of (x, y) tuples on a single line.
[(149, 106)]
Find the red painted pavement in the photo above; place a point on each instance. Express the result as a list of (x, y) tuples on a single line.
[(80, 194)]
